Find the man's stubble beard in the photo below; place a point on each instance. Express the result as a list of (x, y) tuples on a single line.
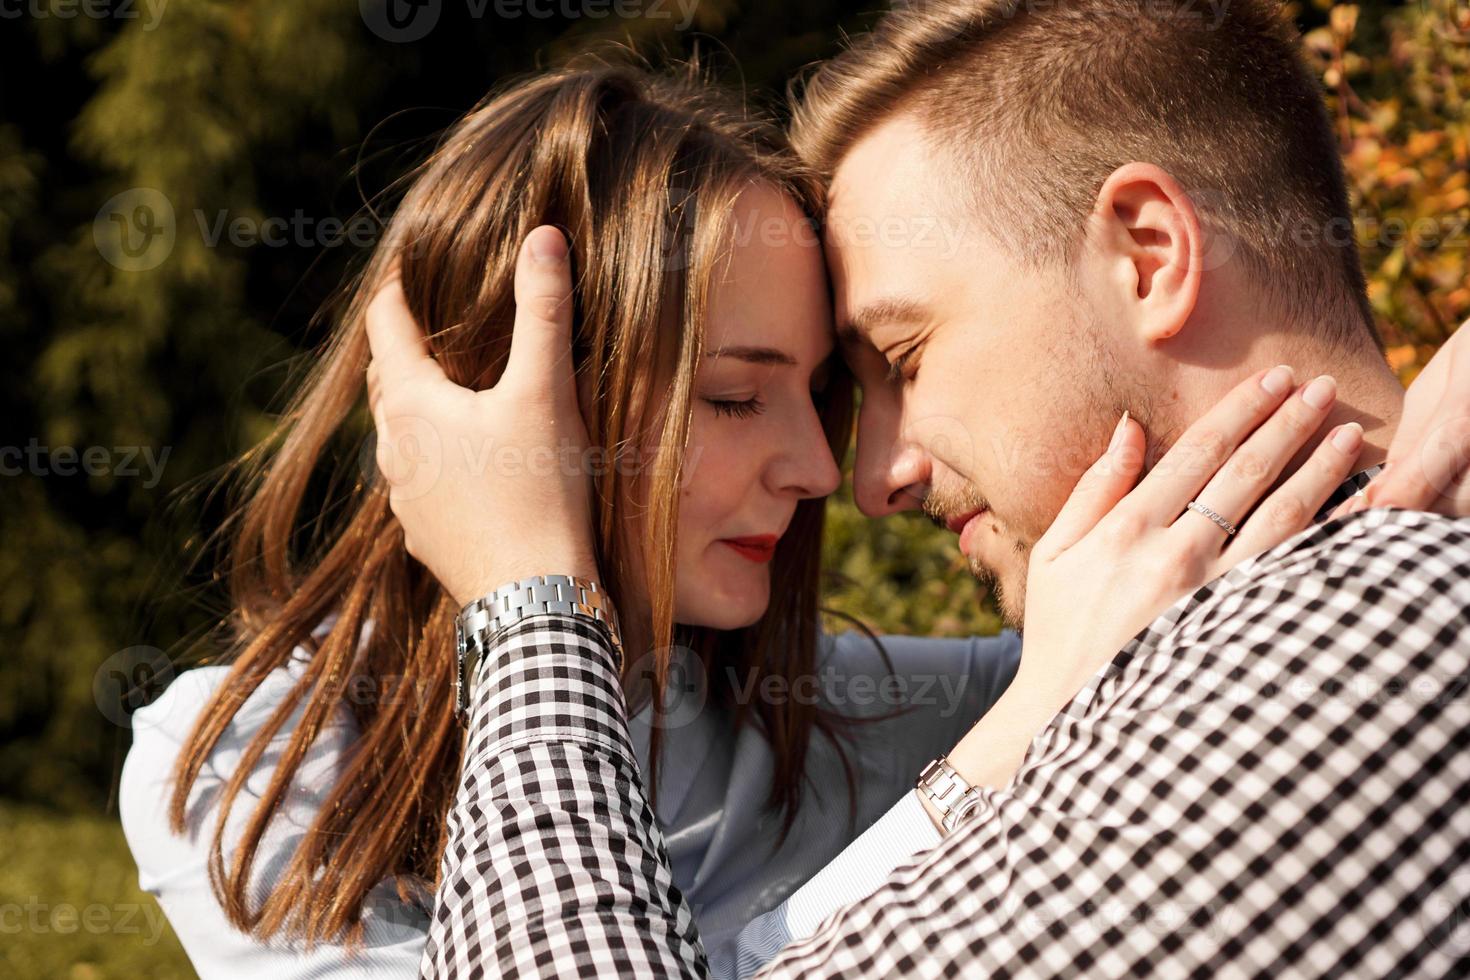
[(942, 503), (1010, 596), (1107, 395)]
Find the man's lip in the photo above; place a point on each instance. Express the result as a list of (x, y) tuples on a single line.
[(957, 523)]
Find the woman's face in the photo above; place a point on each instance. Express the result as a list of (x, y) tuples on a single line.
[(756, 445)]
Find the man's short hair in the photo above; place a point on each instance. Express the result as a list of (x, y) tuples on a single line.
[(1038, 101)]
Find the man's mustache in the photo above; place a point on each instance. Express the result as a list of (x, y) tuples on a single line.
[(939, 505)]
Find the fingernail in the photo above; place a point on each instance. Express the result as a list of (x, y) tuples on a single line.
[(548, 247), (1118, 433), (1348, 437), (1278, 379), (1319, 393)]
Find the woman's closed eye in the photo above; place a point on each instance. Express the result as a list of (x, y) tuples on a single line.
[(737, 409)]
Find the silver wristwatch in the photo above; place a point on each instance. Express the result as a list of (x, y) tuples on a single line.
[(479, 622), (951, 795)]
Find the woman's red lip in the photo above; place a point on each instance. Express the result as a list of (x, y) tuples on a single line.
[(757, 548)]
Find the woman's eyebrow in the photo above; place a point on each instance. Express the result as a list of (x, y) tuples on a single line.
[(755, 355)]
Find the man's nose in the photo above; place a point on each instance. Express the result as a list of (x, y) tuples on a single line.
[(891, 473), (889, 482)]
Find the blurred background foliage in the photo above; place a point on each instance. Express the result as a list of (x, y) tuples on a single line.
[(253, 109)]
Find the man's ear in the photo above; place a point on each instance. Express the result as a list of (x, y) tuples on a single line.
[(1146, 249)]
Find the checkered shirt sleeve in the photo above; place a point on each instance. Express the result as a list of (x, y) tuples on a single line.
[(554, 865), (1270, 781)]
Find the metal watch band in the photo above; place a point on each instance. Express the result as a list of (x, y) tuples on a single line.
[(479, 621), (951, 795)]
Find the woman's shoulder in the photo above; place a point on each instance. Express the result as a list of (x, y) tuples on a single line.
[(160, 732), (174, 868), (162, 726)]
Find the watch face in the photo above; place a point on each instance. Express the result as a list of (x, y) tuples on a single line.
[(966, 803)]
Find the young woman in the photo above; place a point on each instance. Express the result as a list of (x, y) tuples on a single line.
[(287, 805)]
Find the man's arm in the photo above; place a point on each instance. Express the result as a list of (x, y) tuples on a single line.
[(1271, 781), (554, 865), (1252, 786)]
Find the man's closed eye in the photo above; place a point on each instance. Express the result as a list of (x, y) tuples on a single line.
[(904, 367)]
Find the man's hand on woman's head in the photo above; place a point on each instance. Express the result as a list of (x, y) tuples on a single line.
[(1428, 466), (489, 486)]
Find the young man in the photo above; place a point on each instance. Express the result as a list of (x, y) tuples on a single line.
[(1041, 215)]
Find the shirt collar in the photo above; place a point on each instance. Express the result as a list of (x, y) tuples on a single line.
[(1353, 486)]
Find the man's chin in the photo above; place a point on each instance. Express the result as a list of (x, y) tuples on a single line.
[(1007, 584)]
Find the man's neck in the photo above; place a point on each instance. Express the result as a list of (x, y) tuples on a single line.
[(1368, 393), (1236, 327), (1228, 349)]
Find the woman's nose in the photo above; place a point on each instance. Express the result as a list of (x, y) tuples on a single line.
[(808, 467)]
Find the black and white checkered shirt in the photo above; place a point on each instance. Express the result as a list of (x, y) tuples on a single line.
[(1272, 780)]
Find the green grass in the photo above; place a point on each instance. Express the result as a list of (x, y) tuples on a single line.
[(70, 906)]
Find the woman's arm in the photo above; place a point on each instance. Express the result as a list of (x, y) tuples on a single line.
[(1116, 557)]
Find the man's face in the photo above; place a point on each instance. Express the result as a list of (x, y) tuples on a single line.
[(1001, 398)]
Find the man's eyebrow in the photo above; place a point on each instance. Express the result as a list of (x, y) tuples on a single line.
[(854, 330), (755, 355)]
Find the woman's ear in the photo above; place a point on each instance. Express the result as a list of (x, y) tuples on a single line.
[(1146, 251)]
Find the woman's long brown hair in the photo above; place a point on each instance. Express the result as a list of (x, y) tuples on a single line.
[(642, 171)]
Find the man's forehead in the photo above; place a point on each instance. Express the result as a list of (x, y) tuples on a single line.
[(887, 163), (890, 207), (882, 222)]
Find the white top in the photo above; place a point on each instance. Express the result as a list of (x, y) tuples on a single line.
[(749, 900)]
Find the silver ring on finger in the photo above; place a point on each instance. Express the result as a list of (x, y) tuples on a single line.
[(1200, 508)]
